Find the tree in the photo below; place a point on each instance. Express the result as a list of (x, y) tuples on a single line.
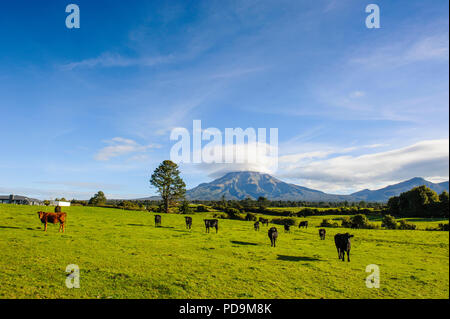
[(185, 208), (166, 179), (98, 199), (444, 204)]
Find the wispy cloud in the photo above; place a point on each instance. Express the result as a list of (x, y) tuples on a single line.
[(426, 48), (122, 146), (109, 59)]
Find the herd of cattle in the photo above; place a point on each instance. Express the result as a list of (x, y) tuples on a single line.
[(342, 241)]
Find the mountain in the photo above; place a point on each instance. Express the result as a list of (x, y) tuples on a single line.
[(240, 185), (383, 194)]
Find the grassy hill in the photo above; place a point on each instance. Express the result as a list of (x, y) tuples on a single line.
[(122, 255)]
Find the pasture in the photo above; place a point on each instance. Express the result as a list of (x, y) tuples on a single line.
[(122, 255)]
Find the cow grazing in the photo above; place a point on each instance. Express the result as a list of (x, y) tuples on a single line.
[(287, 228), (157, 220), (322, 233), (343, 245), (303, 224), (273, 234), (210, 223), (53, 218), (58, 209), (264, 221), (188, 222), (256, 225)]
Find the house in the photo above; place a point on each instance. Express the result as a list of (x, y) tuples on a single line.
[(19, 200)]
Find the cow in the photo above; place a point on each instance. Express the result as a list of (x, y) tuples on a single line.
[(53, 218), (256, 225), (188, 222), (273, 234), (157, 220), (343, 245), (264, 221), (58, 209), (287, 228), (303, 224), (322, 233), (210, 223)]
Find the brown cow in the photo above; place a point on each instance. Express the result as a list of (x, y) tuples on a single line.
[(53, 218)]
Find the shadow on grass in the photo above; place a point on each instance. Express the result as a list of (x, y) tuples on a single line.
[(153, 226), (12, 227), (296, 258), (243, 243)]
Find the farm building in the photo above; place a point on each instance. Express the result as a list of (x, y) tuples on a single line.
[(19, 200)]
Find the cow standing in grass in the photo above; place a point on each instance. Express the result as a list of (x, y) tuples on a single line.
[(322, 233), (273, 235), (303, 224), (343, 245), (188, 222), (256, 225), (287, 228), (210, 223), (157, 220), (53, 218)]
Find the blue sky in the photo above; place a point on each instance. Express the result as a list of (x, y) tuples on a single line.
[(91, 109)]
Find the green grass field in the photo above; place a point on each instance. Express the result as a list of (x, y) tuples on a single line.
[(122, 255)]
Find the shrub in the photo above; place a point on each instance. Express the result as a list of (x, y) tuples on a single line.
[(153, 208), (283, 221), (220, 215), (440, 227), (251, 217), (327, 223), (234, 213), (389, 222), (202, 209), (404, 225), (185, 208), (361, 221), (346, 222)]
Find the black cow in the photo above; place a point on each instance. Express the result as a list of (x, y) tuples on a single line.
[(256, 225), (188, 222), (322, 233), (343, 245), (273, 234), (264, 221), (303, 224), (157, 220), (210, 223), (287, 228)]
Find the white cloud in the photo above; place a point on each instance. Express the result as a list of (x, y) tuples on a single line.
[(122, 146), (257, 157), (428, 159)]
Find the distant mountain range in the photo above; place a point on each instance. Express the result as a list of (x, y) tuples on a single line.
[(385, 193), (240, 185)]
